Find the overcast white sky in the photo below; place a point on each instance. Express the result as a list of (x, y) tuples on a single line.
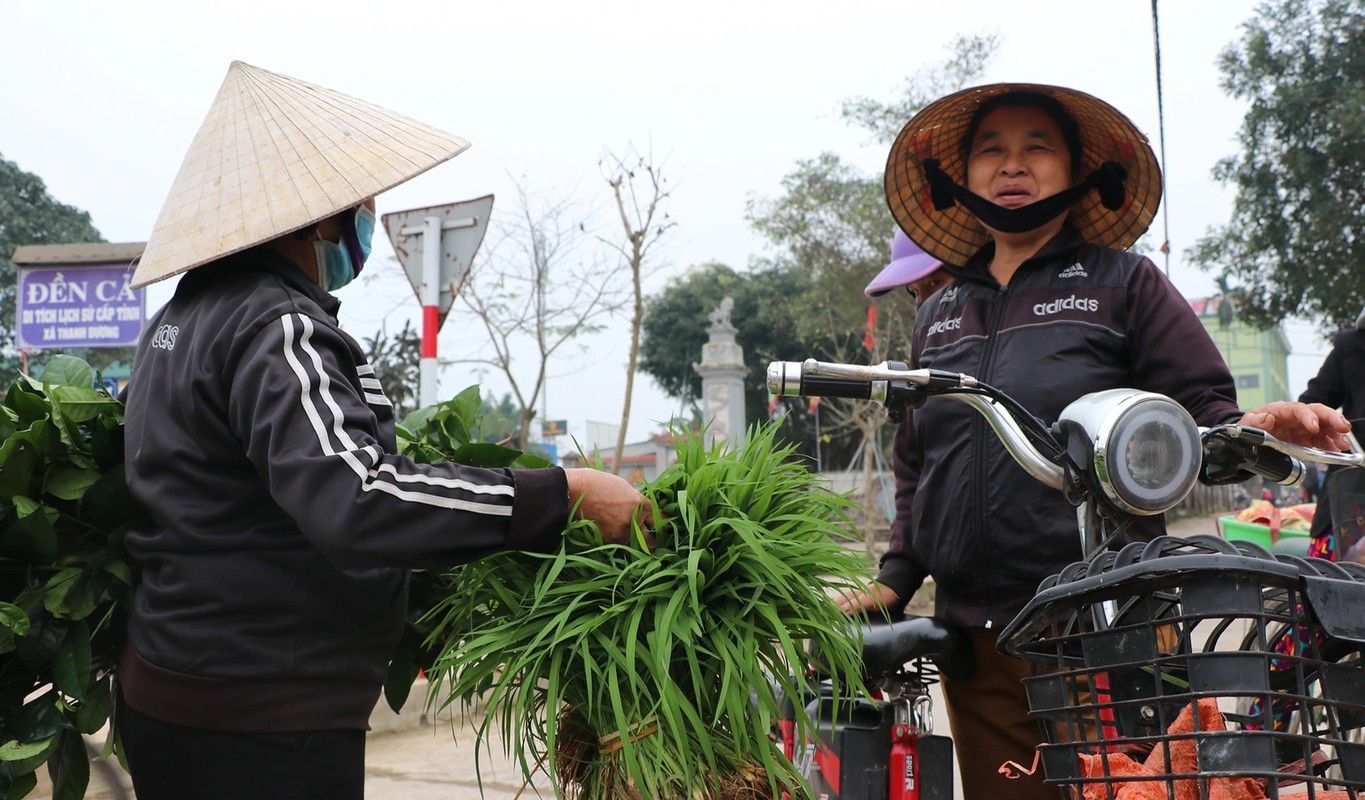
[(101, 101)]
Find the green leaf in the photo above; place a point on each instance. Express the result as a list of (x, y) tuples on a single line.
[(32, 536), (14, 619), (38, 719), (484, 454), (28, 403), (44, 637), (120, 570), (82, 403), (401, 675), (106, 441), (69, 483), (18, 458), (416, 422), (26, 766), (466, 404), (69, 767), (108, 504), (16, 750), (71, 662), (64, 370), (18, 782), (94, 712), (69, 594), (530, 461)]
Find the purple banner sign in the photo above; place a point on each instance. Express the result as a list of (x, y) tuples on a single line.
[(78, 306)]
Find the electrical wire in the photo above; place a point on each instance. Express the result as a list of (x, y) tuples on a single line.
[(1161, 136)]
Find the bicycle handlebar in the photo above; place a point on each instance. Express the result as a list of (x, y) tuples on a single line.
[(1228, 449)]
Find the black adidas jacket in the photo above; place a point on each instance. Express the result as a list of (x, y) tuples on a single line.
[(274, 571), (1074, 319)]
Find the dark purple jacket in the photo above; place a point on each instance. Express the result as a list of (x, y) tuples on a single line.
[(1074, 319)]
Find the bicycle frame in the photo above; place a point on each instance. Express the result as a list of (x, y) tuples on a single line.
[(1077, 461), (884, 748)]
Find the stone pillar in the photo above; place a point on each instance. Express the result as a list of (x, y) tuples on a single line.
[(722, 372)]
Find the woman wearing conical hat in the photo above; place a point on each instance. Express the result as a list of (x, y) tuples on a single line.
[(1030, 194), (282, 523)]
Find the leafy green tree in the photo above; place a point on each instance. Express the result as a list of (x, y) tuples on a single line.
[(30, 215), (676, 319), (832, 225), (499, 419), (397, 362), (1295, 245)]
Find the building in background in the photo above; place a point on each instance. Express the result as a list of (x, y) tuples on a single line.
[(641, 461), (1259, 359)]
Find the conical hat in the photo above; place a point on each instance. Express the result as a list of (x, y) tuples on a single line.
[(954, 235), (274, 155)]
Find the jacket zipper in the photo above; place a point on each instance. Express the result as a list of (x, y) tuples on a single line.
[(979, 438)]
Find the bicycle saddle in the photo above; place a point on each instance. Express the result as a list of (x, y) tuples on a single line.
[(887, 646)]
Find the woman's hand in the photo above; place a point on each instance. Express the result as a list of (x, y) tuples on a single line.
[(1306, 424), (611, 502), (876, 597)]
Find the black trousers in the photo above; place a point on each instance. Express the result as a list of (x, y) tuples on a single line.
[(173, 762)]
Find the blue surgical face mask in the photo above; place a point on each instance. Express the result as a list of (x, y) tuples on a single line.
[(364, 233), (334, 265), (336, 268)]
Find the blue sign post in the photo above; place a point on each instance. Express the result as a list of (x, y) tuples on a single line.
[(78, 306)]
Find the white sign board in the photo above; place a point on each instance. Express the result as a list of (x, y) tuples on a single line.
[(463, 225)]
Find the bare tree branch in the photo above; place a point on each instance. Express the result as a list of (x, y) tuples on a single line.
[(536, 291), (638, 187)]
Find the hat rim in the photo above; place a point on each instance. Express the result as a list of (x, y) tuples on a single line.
[(955, 235), (902, 272), (137, 283), (248, 179)]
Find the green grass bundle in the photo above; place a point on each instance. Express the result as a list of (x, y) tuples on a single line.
[(636, 672)]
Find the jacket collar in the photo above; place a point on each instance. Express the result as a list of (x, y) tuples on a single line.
[(977, 269), (261, 259)]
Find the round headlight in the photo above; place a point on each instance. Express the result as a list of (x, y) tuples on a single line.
[(1144, 448)]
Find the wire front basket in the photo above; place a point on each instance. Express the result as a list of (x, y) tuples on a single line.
[(1198, 668)]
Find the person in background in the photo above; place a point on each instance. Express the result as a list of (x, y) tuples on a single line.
[(1340, 383), (1036, 191), (912, 268), (282, 521)]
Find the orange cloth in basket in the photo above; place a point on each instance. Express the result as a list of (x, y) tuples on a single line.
[(1291, 518), (1147, 783)]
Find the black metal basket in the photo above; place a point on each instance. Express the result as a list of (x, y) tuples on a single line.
[(1265, 652)]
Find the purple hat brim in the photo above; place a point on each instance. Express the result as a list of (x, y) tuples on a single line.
[(902, 272)]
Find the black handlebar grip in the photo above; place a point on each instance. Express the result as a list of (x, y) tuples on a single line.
[(1278, 467), (819, 386)]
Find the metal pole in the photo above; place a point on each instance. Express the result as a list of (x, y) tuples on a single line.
[(431, 308), (818, 465)]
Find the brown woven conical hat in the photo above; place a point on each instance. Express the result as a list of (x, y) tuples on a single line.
[(954, 235), (276, 154)]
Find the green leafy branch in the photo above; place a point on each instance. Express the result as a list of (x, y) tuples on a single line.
[(64, 577)]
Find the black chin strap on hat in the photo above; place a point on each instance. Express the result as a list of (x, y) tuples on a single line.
[(945, 193)]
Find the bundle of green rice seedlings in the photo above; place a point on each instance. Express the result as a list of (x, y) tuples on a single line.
[(657, 672)]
